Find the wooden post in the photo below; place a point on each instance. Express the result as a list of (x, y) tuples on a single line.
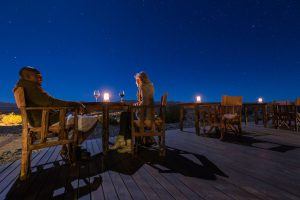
[(256, 114), (181, 117), (133, 145), (197, 128), (265, 115), (25, 160), (62, 125), (246, 115), (163, 142), (105, 129), (45, 125)]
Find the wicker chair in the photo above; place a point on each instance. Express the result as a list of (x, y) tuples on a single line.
[(231, 115), (46, 135), (149, 127)]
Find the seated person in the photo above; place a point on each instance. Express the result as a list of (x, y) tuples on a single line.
[(145, 97), (31, 81)]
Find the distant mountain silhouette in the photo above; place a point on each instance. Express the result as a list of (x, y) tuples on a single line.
[(8, 107)]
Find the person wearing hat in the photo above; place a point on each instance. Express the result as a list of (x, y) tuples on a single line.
[(30, 79), (145, 97)]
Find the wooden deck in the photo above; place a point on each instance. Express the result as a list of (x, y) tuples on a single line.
[(263, 165)]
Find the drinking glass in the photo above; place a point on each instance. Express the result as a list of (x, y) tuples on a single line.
[(122, 94), (96, 95)]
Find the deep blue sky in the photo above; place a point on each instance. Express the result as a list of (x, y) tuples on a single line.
[(188, 47)]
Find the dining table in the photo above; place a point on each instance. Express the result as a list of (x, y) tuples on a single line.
[(105, 108), (197, 107)]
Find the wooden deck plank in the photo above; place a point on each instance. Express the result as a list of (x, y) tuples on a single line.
[(144, 187), (84, 190), (97, 191), (49, 184), (119, 185), (224, 186), (266, 157), (173, 191), (37, 178), (224, 160), (260, 165), (132, 187), (108, 187), (4, 166), (188, 193), (155, 185), (18, 186), (241, 172), (203, 190), (63, 188)]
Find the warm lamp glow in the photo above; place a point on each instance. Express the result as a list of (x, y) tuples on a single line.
[(106, 97), (260, 100), (198, 99)]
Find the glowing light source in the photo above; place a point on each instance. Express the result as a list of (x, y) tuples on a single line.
[(198, 99), (260, 100), (106, 97)]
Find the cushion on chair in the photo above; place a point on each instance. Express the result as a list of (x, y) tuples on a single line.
[(85, 123), (229, 116)]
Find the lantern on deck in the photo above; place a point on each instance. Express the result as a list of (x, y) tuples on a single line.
[(260, 100), (198, 99)]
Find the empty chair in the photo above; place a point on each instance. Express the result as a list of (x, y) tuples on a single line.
[(231, 115), (150, 127), (284, 114)]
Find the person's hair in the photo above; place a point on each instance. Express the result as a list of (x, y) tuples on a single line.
[(143, 76), (24, 72)]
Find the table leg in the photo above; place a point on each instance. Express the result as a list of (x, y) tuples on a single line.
[(265, 116), (246, 115), (105, 131), (256, 115), (181, 118), (197, 121)]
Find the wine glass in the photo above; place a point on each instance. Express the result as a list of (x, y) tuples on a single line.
[(122, 94), (96, 94)]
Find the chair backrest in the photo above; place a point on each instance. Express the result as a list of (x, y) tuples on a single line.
[(297, 103), (163, 103), (232, 100), (231, 105), (163, 100), (20, 97)]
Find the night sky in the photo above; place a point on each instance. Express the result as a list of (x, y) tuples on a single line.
[(188, 47)]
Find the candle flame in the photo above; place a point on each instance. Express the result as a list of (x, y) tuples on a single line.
[(198, 99), (106, 97)]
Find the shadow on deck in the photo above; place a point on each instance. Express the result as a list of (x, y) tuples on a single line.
[(62, 181), (194, 168)]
